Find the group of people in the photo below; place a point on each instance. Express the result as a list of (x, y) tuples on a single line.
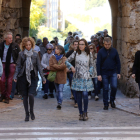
[(89, 66)]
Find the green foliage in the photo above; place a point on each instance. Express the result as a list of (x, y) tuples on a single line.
[(94, 3), (106, 26), (50, 33), (37, 17)]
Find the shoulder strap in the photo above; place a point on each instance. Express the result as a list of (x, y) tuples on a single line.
[(106, 57)]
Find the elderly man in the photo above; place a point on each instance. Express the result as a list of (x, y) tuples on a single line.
[(9, 54), (106, 33), (42, 46), (108, 71)]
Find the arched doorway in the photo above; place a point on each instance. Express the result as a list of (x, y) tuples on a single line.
[(14, 16)]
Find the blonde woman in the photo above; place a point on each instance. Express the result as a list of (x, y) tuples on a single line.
[(27, 68)]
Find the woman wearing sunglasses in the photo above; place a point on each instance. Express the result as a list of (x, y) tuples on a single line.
[(93, 50)]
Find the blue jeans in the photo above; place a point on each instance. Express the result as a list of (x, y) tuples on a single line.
[(75, 96), (59, 92), (95, 83), (14, 84), (48, 85), (112, 79), (84, 95)]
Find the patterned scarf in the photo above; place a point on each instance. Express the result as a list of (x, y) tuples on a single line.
[(29, 65)]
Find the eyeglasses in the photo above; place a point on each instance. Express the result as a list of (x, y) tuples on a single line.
[(49, 49), (81, 44), (95, 41), (91, 48)]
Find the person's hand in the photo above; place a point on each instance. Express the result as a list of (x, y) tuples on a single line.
[(100, 78), (118, 76), (73, 69), (68, 70), (133, 75), (15, 80), (44, 82), (48, 68)]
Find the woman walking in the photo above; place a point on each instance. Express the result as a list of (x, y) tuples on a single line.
[(82, 81), (45, 64), (26, 72), (57, 63), (93, 50)]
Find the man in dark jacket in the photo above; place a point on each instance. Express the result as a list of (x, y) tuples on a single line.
[(9, 54), (108, 70)]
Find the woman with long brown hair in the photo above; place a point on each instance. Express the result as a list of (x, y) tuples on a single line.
[(82, 82)]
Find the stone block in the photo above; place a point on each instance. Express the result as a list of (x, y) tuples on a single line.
[(126, 10), (15, 4)]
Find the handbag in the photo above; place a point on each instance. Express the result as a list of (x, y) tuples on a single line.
[(52, 75)]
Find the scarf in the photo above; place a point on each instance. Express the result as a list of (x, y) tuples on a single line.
[(8, 58), (29, 65), (58, 57)]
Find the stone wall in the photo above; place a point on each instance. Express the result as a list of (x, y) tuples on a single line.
[(14, 16), (128, 42)]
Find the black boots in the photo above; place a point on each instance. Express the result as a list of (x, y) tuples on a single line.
[(27, 117), (32, 115), (113, 105)]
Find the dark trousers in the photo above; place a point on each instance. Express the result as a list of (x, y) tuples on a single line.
[(48, 85), (82, 95), (112, 79), (75, 96), (6, 88), (14, 84)]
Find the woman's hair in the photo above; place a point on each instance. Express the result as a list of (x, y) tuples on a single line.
[(25, 40), (86, 48), (94, 50), (94, 47), (62, 51), (71, 47)]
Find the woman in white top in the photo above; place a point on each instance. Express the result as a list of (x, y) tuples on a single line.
[(82, 78)]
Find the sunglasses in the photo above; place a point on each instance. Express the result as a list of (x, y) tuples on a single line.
[(49, 49)]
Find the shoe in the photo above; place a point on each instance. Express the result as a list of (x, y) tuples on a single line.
[(59, 107), (96, 98), (85, 117), (6, 101), (45, 96), (76, 105), (105, 108), (11, 98), (32, 115), (113, 105), (72, 97), (81, 117), (1, 98), (27, 117), (89, 97), (51, 95)]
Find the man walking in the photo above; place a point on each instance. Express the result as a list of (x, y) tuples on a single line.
[(8, 53), (108, 70)]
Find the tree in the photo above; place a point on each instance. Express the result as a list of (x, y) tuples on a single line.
[(94, 3), (37, 17)]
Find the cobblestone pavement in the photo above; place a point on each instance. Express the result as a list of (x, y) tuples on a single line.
[(48, 116)]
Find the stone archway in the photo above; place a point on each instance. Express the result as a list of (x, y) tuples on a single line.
[(14, 16)]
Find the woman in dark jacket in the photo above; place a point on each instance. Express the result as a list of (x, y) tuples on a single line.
[(27, 68), (136, 68)]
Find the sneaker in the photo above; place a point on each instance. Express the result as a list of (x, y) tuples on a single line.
[(76, 105), (11, 98), (59, 107), (96, 98), (45, 96), (89, 97), (51, 95)]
